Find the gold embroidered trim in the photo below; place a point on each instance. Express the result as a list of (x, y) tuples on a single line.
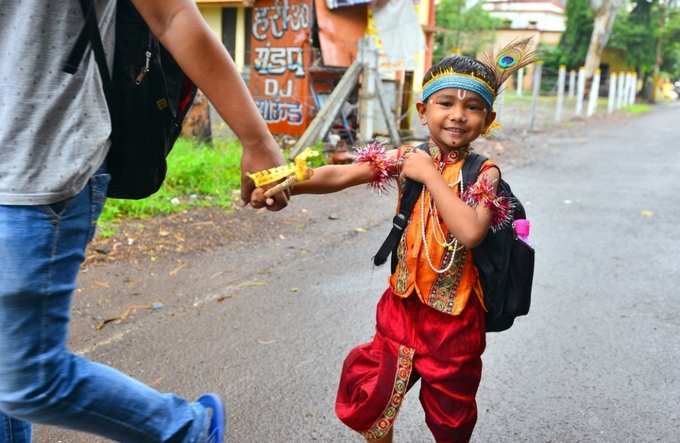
[(443, 292), (384, 423), (402, 267)]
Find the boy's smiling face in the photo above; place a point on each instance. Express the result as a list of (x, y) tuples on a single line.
[(455, 117)]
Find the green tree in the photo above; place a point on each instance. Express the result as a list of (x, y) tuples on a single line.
[(670, 38), (634, 34), (575, 40), (649, 36), (466, 30), (671, 53), (604, 16)]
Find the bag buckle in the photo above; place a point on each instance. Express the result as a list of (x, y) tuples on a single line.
[(399, 221)]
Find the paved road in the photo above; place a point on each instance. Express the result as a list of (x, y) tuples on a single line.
[(268, 326)]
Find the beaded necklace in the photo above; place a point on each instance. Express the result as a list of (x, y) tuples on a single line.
[(437, 230)]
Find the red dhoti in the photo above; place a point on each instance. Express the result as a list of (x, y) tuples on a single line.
[(414, 341)]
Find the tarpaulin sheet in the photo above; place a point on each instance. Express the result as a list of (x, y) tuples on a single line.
[(400, 32), (339, 33)]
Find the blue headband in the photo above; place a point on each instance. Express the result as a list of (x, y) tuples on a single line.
[(449, 79)]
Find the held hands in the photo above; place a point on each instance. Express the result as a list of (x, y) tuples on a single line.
[(417, 165), (255, 159), (262, 197), (258, 199)]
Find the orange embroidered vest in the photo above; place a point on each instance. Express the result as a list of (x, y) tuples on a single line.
[(449, 291)]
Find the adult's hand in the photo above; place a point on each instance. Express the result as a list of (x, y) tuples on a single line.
[(257, 158)]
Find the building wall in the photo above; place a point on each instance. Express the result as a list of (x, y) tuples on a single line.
[(542, 15), (213, 16), (547, 21), (212, 13), (614, 59), (505, 36), (423, 11)]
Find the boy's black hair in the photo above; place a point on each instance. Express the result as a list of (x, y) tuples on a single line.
[(464, 65)]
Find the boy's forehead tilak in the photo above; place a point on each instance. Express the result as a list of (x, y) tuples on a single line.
[(462, 94)]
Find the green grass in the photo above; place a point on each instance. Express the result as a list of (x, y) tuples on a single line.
[(638, 108), (198, 176)]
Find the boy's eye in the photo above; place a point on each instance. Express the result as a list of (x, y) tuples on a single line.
[(445, 103)]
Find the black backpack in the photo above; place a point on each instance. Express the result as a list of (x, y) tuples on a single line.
[(148, 97), (505, 263)]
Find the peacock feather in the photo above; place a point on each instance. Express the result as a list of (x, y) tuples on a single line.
[(508, 60)]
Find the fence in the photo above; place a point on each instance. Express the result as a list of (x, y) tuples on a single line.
[(543, 98)]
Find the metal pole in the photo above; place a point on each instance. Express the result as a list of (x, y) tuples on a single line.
[(619, 90), (572, 83), (633, 88), (538, 71), (594, 94), (612, 92), (499, 105), (387, 112), (626, 89), (367, 93), (560, 92), (581, 91), (520, 81)]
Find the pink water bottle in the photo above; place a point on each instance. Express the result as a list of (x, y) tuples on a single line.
[(522, 229)]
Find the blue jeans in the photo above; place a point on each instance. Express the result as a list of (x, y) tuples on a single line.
[(41, 381)]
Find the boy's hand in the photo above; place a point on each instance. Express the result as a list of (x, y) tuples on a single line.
[(258, 159), (259, 200), (417, 165)]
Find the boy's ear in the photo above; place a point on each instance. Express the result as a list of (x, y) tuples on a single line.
[(420, 106), (490, 118)]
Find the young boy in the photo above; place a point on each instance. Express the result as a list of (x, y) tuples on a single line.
[(431, 319)]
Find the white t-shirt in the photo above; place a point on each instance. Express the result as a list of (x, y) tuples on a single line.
[(54, 127)]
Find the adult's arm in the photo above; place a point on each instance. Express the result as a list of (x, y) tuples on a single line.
[(179, 26)]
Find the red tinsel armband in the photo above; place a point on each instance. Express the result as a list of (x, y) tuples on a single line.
[(384, 168), (484, 192)]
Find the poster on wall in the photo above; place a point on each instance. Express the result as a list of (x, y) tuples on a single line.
[(281, 55)]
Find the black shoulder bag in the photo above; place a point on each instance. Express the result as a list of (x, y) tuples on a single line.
[(147, 94)]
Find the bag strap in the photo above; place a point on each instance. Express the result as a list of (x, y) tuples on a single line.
[(75, 58), (408, 200), (473, 164), (90, 34)]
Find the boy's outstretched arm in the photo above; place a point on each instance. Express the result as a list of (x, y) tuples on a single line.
[(180, 27), (324, 180), (334, 178), (331, 178)]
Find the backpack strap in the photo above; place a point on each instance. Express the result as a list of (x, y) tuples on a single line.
[(75, 58), (408, 200), (471, 168), (90, 34)]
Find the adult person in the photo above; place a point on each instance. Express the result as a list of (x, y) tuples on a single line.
[(54, 138)]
